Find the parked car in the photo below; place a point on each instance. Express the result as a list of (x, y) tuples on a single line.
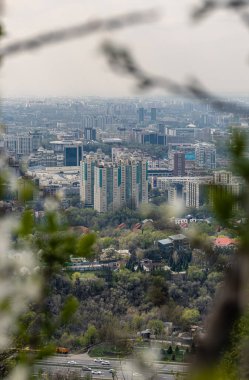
[(98, 360), (96, 372), (84, 368)]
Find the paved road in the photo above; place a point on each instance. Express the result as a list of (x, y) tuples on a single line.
[(126, 369)]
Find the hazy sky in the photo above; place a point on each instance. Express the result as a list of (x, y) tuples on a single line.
[(216, 51)]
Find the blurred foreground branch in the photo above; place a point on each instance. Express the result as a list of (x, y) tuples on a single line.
[(209, 6), (78, 31), (121, 60)]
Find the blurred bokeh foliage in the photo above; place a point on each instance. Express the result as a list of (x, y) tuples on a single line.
[(224, 352), (52, 244)]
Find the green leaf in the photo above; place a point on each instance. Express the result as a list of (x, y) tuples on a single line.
[(238, 144), (46, 351), (2, 185), (26, 190), (5, 305), (85, 245), (70, 307), (2, 32), (223, 202), (241, 167), (51, 222), (27, 223)]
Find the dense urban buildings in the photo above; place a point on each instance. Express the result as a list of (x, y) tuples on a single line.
[(133, 176), (121, 150)]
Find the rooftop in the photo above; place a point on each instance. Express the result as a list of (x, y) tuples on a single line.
[(165, 241), (224, 241), (177, 237)]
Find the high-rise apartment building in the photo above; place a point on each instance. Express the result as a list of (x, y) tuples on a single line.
[(21, 145), (109, 185), (228, 181), (205, 155), (90, 134), (175, 193), (87, 179), (153, 114), (141, 115), (179, 164), (190, 190), (195, 193), (134, 188), (37, 138), (223, 177)]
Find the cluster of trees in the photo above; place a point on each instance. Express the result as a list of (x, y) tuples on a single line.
[(172, 354), (113, 306), (98, 222)]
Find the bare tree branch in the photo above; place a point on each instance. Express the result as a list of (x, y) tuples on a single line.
[(121, 60), (77, 31), (209, 6)]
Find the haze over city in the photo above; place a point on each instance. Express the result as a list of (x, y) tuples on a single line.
[(214, 50)]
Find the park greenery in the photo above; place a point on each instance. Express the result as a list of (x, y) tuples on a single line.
[(130, 299)]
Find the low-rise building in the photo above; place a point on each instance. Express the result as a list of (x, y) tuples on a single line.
[(173, 242)]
